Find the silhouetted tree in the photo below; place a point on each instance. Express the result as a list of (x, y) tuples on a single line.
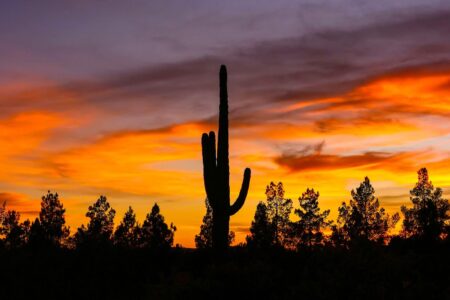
[(52, 219), (15, 234), (2, 211), (99, 230), (363, 219), (430, 212), (127, 234), (308, 230), (216, 173), (36, 237), (204, 239), (278, 209), (262, 234), (2, 217), (156, 234)]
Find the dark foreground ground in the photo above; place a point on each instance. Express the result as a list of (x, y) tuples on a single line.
[(397, 272)]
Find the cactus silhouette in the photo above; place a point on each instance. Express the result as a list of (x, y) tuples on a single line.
[(216, 173)]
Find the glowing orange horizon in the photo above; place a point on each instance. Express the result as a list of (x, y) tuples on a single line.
[(399, 125)]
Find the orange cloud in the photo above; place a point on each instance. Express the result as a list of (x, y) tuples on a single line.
[(394, 94), (326, 162), (23, 136), (134, 162), (26, 131), (20, 203)]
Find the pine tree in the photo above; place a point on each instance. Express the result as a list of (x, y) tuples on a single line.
[(308, 230), (363, 219), (128, 231), (156, 234), (430, 212), (36, 237), (203, 240), (52, 219), (15, 233), (2, 217), (100, 227), (2, 211), (261, 231), (279, 209)]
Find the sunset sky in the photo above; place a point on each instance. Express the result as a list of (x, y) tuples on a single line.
[(111, 97)]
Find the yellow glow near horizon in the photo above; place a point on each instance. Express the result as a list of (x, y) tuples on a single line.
[(399, 125)]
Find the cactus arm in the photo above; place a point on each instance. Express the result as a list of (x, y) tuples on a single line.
[(212, 148), (208, 168), (242, 194), (212, 198)]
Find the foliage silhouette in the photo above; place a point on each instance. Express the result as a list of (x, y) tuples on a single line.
[(36, 238), (216, 173), (156, 234), (363, 219), (262, 235), (427, 219), (15, 234), (203, 240), (52, 220), (279, 210), (308, 231), (127, 234), (99, 230), (2, 217), (2, 211)]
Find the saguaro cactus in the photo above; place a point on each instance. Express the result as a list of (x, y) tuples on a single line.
[(216, 173)]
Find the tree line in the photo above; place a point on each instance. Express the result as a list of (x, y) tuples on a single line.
[(50, 230), (361, 220)]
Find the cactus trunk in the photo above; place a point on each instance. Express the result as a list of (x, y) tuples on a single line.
[(216, 173)]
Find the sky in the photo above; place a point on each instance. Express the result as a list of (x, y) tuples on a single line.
[(112, 97)]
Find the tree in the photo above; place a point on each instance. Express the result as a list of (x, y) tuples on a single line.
[(204, 239), (128, 231), (52, 219), (156, 234), (430, 212), (279, 210), (100, 227), (2, 211), (308, 230), (36, 237), (261, 231), (15, 234), (363, 219), (2, 217)]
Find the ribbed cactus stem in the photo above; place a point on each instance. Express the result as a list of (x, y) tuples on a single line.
[(216, 172)]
